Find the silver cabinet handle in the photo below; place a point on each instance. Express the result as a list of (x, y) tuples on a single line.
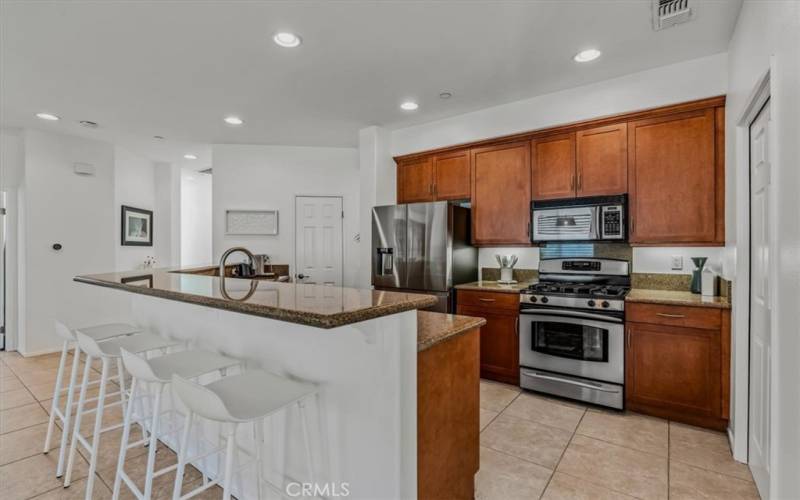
[(665, 315), (587, 385)]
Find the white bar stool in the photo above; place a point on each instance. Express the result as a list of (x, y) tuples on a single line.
[(159, 371), (107, 352), (98, 333), (234, 400)]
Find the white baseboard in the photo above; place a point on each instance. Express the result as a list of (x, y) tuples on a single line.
[(38, 353)]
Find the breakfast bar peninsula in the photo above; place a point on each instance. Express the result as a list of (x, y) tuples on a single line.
[(361, 349)]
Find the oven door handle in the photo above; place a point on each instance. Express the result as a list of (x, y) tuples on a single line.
[(571, 314), (587, 385)]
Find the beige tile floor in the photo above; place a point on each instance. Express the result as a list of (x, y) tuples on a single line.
[(531, 447), (26, 389), (538, 447)]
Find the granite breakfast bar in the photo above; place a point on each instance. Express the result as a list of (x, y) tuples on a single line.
[(359, 346)]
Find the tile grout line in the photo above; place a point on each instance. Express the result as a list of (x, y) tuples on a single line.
[(563, 452)]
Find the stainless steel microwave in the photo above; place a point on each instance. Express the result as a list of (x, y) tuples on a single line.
[(599, 218)]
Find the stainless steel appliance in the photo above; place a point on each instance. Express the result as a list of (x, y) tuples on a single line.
[(571, 327), (599, 218), (423, 247)]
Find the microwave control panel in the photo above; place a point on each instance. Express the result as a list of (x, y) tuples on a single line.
[(612, 222)]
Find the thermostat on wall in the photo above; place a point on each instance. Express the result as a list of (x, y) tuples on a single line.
[(83, 168)]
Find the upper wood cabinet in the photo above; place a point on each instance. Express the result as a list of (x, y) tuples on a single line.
[(675, 184), (501, 194), (602, 160), (440, 177), (451, 176), (553, 167), (415, 180)]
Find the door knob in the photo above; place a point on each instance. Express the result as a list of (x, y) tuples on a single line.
[(301, 276)]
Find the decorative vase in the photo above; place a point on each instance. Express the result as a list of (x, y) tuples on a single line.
[(697, 274)]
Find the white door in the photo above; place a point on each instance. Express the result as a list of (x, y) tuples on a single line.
[(760, 302), (318, 239)]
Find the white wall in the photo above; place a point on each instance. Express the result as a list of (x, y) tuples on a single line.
[(766, 38), (134, 186), (12, 171), (78, 212), (196, 217), (269, 177)]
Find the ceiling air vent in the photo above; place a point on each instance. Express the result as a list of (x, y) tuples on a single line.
[(206, 171), (667, 13)]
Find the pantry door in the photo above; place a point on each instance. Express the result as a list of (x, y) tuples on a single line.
[(318, 239), (759, 434)]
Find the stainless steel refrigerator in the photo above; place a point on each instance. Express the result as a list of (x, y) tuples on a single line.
[(423, 247)]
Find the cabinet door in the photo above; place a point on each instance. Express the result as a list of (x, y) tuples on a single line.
[(452, 176), (553, 167), (672, 179), (415, 180), (499, 344), (674, 370), (602, 160), (501, 194)]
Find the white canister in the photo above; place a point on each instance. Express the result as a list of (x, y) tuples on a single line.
[(708, 283), (506, 274)]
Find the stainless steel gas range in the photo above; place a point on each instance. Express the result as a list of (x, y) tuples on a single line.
[(572, 330)]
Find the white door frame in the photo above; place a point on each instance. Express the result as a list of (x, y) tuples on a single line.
[(740, 371), (293, 270)]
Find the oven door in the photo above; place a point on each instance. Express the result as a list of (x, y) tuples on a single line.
[(573, 343)]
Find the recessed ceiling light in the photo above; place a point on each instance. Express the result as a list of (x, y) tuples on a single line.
[(47, 116), (409, 106), (445, 95), (88, 124), (286, 39), (233, 120), (587, 55), (190, 156)]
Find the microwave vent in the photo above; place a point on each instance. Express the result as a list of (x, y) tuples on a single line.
[(549, 225), (668, 13)]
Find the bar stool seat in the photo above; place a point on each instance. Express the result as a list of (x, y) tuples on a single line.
[(187, 364), (108, 330), (141, 342), (257, 394)]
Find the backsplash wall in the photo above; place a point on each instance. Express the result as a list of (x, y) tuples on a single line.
[(645, 259)]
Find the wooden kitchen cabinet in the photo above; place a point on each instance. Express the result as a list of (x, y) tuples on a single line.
[(675, 185), (553, 167), (451, 176), (602, 160), (501, 194), (499, 336), (678, 372), (415, 180)]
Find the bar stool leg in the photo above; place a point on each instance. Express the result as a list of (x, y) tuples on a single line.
[(307, 442), (259, 432), (98, 425), (183, 451), (123, 447), (56, 396), (230, 449), (151, 453), (78, 417), (73, 378)]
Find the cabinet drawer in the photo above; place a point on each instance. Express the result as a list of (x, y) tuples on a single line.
[(493, 300), (686, 316)]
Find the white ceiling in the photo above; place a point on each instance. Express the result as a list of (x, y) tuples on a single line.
[(176, 68)]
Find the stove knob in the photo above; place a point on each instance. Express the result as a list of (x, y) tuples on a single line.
[(591, 303), (533, 298), (545, 300), (605, 304)]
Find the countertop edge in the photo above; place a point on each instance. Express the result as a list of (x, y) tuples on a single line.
[(493, 286), (324, 321), (469, 323), (675, 301)]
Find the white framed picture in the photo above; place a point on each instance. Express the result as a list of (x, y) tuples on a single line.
[(137, 227), (251, 222)]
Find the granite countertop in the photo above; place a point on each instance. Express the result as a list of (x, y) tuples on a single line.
[(676, 298), (494, 286), (313, 305), (434, 327)]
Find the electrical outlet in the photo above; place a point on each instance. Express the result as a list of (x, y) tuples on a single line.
[(677, 262)]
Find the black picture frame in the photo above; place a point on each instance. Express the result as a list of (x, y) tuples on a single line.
[(129, 239)]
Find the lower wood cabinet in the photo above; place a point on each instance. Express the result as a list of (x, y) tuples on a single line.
[(676, 371), (500, 334)]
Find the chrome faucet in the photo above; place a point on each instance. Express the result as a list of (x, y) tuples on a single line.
[(233, 250)]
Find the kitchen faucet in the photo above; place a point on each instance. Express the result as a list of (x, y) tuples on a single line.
[(234, 250)]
